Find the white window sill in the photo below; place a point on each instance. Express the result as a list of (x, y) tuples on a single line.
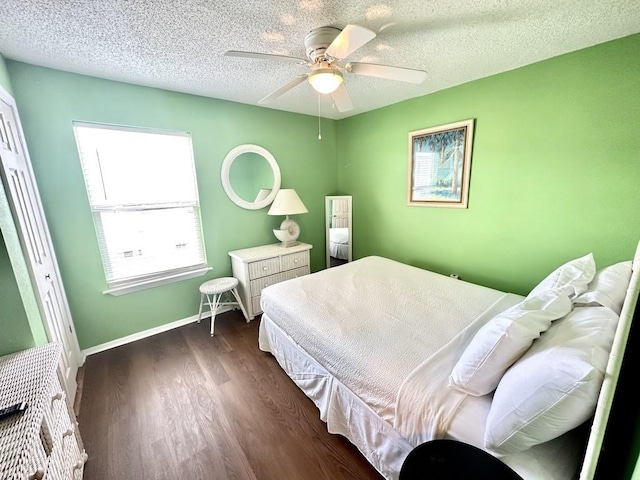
[(136, 287)]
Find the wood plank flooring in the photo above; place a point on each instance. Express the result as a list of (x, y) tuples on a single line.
[(184, 405)]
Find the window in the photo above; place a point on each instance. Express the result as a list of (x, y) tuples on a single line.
[(144, 199)]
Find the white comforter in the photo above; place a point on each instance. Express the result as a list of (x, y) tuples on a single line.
[(339, 243), (429, 381), (342, 318), (339, 235)]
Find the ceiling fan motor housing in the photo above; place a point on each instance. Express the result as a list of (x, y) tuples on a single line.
[(318, 40)]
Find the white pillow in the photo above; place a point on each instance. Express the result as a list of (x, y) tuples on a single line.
[(608, 288), (503, 339), (573, 277), (554, 387)]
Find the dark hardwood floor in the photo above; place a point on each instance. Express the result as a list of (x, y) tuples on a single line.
[(184, 405)]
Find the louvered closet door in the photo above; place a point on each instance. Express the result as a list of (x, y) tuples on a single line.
[(17, 176)]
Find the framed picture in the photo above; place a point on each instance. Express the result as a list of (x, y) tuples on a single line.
[(440, 165)]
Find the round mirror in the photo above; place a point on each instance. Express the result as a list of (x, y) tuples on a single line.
[(250, 176)]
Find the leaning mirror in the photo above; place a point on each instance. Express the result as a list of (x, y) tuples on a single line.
[(250, 176), (338, 230)]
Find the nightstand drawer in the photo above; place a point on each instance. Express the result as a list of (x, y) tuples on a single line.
[(263, 268), (258, 284), (295, 273), (294, 260), (255, 305)]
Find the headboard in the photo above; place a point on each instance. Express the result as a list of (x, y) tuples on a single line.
[(612, 374)]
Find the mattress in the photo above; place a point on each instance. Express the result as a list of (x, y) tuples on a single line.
[(342, 318), (361, 358)]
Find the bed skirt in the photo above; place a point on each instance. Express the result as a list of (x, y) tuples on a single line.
[(343, 412)]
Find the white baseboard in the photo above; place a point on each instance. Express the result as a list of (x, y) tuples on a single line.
[(147, 333)]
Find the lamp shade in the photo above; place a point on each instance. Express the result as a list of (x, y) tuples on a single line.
[(287, 202), (325, 80)]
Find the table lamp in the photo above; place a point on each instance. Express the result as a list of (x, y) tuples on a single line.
[(287, 202)]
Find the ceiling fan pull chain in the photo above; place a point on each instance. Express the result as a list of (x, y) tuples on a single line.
[(319, 131)]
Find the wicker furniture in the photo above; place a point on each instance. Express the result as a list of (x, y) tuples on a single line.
[(258, 267), (43, 442), (213, 293)]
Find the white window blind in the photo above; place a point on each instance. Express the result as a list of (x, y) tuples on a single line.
[(144, 198)]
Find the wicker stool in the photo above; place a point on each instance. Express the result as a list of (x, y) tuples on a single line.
[(215, 291)]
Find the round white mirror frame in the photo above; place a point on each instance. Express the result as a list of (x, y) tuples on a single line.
[(226, 181)]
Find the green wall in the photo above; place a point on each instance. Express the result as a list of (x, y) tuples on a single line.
[(555, 171), (16, 334), (5, 82), (49, 100)]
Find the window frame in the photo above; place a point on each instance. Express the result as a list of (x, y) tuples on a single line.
[(134, 283)]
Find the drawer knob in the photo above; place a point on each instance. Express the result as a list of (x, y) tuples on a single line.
[(38, 475), (264, 268), (57, 396), (68, 432), (295, 261)]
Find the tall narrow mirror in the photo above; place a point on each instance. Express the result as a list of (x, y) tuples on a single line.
[(338, 230)]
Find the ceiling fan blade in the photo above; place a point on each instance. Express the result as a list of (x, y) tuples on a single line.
[(342, 99), (284, 89), (385, 71), (265, 56), (349, 40)]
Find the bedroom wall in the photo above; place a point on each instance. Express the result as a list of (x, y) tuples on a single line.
[(50, 100), (5, 82), (554, 172), (16, 334)]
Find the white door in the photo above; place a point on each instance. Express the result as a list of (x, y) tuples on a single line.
[(31, 224), (340, 212)]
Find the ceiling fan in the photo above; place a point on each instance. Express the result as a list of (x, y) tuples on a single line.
[(326, 47)]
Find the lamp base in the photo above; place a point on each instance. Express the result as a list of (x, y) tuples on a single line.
[(292, 243), (285, 238), (288, 232)]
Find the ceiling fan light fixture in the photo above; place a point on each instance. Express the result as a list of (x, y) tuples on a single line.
[(325, 80)]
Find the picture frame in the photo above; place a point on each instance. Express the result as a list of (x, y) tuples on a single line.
[(440, 165)]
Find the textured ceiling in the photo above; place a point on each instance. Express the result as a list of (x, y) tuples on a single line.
[(179, 45)]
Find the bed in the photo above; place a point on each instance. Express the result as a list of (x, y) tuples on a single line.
[(339, 243), (385, 351)]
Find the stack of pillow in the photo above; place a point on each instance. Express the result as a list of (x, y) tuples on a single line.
[(545, 357)]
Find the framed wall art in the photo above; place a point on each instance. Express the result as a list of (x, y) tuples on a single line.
[(440, 165)]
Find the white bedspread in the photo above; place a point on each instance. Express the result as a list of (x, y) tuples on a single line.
[(339, 243), (341, 318), (339, 235), (429, 381)]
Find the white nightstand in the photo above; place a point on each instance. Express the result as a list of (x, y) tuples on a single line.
[(258, 267)]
